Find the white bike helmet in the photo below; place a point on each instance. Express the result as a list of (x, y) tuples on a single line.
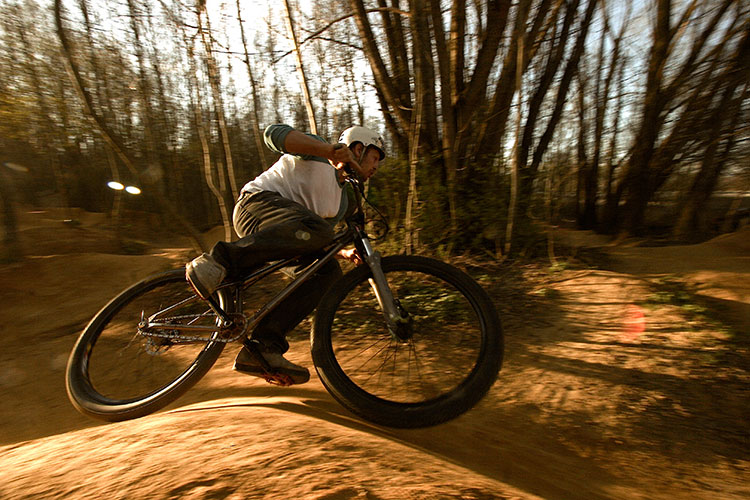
[(367, 137)]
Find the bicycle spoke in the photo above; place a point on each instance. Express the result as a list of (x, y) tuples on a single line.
[(379, 369), (445, 344), (373, 356), (127, 364)]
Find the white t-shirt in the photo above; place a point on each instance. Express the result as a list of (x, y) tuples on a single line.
[(312, 184)]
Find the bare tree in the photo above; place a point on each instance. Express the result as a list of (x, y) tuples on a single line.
[(200, 125), (204, 29), (604, 77), (106, 132), (463, 132), (253, 90), (651, 161), (50, 139), (720, 126), (301, 69)]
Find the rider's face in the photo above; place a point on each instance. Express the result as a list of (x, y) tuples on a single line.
[(370, 162)]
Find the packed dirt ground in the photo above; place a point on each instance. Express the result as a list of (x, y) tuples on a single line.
[(626, 375)]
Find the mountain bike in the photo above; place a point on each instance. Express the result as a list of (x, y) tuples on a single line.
[(401, 341)]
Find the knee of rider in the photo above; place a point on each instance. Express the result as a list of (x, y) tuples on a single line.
[(330, 272), (314, 235), (220, 253)]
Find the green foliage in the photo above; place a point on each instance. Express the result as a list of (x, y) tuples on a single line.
[(672, 291), (547, 293), (558, 267)]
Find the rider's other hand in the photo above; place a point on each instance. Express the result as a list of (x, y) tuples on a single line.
[(341, 156), (351, 255)]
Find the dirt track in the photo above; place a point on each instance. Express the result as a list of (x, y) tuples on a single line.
[(604, 394)]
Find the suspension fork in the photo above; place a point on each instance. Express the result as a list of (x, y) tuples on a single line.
[(396, 318)]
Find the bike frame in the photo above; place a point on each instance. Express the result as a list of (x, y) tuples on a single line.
[(354, 233)]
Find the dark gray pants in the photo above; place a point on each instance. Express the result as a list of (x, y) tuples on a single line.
[(272, 228)]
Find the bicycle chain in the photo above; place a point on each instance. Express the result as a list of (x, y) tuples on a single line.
[(193, 338)]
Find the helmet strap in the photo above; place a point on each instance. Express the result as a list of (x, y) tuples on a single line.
[(362, 154)]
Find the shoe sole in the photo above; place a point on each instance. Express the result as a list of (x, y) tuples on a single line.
[(256, 371), (200, 291)]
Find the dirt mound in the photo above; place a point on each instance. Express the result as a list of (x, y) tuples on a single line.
[(736, 242), (717, 271), (273, 447), (40, 291)]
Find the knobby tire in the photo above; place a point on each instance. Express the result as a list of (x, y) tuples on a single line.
[(108, 331), (448, 365)]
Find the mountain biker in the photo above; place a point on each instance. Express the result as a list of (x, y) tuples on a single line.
[(288, 210)]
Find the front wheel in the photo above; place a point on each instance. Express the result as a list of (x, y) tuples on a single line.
[(116, 372), (441, 366)]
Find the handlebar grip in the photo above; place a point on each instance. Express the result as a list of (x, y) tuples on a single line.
[(347, 167)]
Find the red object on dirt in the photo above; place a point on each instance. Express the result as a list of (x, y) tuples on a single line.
[(634, 323)]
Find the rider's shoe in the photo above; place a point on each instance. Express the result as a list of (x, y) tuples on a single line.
[(205, 275), (274, 368)]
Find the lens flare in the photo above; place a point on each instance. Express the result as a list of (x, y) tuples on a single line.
[(633, 323)]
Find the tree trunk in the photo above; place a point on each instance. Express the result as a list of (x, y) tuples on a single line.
[(692, 222), (213, 79), (571, 68), (637, 175), (583, 171), (254, 91), (49, 139), (10, 248), (515, 176), (492, 128), (648, 167), (383, 81), (397, 53), (529, 171), (591, 214), (195, 98), (98, 123), (301, 69), (411, 233), (144, 91)]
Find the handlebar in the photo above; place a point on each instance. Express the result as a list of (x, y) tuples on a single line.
[(350, 175), (352, 178)]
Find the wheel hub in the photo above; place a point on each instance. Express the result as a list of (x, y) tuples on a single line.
[(404, 327)]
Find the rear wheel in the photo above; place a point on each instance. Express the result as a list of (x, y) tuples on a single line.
[(116, 372), (443, 362)]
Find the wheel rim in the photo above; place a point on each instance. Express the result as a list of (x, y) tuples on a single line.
[(441, 352), (122, 366)]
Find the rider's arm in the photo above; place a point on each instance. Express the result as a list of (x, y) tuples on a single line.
[(284, 139), (275, 137), (298, 143)]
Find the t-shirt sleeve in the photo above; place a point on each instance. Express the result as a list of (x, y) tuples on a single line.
[(275, 136)]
